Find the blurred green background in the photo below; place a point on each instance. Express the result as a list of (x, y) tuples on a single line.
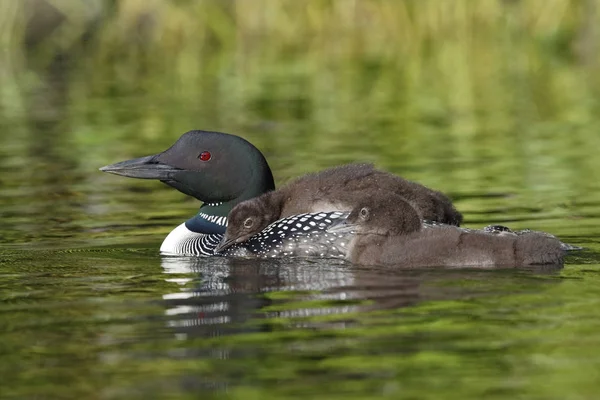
[(473, 98), (494, 102)]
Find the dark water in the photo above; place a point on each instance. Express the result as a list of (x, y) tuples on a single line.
[(88, 309)]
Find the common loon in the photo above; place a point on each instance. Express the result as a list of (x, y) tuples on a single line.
[(388, 231), (222, 170), (216, 168), (339, 188)]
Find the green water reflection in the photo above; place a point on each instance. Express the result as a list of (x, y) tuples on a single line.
[(495, 104)]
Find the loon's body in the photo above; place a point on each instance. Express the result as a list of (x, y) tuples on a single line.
[(223, 170), (319, 235), (303, 235)]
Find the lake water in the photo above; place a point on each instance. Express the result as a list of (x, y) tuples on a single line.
[(89, 309)]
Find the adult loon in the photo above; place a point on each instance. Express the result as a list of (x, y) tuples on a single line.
[(222, 170), (389, 231)]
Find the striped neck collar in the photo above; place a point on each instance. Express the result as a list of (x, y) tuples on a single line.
[(182, 241), (211, 218)]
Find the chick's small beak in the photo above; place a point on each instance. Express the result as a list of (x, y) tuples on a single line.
[(225, 244), (341, 226), (227, 241)]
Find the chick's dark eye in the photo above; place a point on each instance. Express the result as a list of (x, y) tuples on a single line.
[(364, 212), (205, 156), (248, 223)]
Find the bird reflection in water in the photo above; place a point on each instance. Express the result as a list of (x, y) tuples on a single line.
[(221, 296), (228, 296)]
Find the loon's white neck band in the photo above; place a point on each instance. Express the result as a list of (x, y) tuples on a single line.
[(182, 241)]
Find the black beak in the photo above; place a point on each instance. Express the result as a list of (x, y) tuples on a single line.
[(342, 226), (142, 168)]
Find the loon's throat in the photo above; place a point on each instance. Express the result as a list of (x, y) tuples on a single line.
[(220, 209), (211, 218)]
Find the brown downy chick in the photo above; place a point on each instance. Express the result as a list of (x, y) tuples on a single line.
[(386, 237), (334, 189)]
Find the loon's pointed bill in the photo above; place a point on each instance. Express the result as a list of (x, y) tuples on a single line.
[(142, 168)]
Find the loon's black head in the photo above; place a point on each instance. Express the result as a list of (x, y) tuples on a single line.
[(213, 167)]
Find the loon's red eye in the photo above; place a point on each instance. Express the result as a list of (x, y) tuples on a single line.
[(204, 156)]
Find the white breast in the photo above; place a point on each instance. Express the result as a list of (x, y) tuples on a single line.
[(174, 242)]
